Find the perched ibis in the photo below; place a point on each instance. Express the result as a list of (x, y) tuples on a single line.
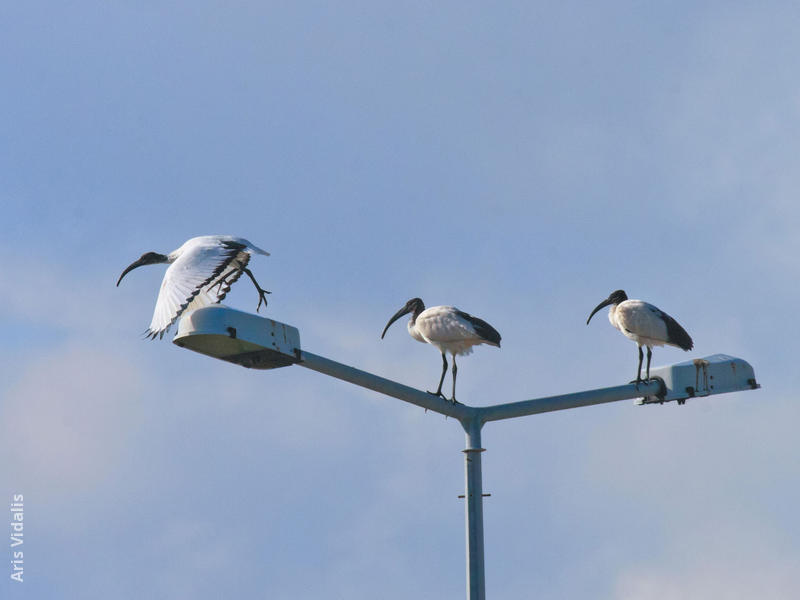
[(201, 272), (449, 329), (644, 324)]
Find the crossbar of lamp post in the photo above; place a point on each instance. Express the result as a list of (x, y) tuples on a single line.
[(483, 414)]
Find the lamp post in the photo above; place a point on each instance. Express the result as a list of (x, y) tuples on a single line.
[(259, 343)]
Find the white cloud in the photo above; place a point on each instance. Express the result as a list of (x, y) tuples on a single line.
[(65, 420), (746, 563)]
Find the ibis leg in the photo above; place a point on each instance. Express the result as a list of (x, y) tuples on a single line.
[(438, 391), (455, 370), (649, 355), (261, 291), (223, 280), (639, 370)]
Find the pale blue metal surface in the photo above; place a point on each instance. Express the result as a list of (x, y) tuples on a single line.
[(565, 401), (699, 377), (238, 337), (384, 386), (473, 511)]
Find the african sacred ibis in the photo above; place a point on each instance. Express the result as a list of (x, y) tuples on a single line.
[(449, 329), (201, 272), (644, 324)]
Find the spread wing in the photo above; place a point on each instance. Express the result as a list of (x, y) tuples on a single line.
[(200, 276)]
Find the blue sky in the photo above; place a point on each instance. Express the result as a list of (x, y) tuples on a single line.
[(518, 161)]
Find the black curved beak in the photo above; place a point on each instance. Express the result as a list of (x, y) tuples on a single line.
[(403, 311), (603, 304), (130, 268)]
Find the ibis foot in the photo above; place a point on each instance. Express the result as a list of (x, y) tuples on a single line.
[(439, 393), (262, 298)]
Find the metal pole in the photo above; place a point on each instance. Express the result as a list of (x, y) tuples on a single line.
[(473, 498), (383, 385), (575, 400)]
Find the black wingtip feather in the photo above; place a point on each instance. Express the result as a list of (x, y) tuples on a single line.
[(482, 328), (149, 334), (677, 335)]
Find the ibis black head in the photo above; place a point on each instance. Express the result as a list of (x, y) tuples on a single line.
[(614, 297), (148, 258), (413, 306)]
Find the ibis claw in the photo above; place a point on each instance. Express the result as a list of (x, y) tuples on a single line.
[(262, 298)]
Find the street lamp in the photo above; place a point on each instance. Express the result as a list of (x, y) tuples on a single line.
[(259, 343)]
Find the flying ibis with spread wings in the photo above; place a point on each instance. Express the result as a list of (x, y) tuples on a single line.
[(448, 329), (201, 272), (644, 324)]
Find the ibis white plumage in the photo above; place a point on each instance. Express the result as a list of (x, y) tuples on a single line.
[(201, 272), (645, 324), (448, 329)]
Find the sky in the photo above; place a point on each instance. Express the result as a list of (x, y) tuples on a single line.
[(519, 161)]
